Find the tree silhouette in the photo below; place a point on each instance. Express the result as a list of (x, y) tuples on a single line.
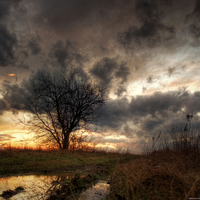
[(61, 104)]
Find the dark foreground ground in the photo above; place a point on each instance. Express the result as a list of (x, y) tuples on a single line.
[(167, 174), (96, 165)]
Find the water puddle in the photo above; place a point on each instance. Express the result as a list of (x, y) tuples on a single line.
[(37, 186), (97, 192)]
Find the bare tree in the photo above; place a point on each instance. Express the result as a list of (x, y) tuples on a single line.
[(61, 104)]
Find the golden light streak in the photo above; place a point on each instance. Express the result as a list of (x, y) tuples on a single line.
[(11, 75)]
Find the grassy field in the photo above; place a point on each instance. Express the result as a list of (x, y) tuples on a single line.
[(15, 161)]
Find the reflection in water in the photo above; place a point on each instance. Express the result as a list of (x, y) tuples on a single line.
[(36, 186), (97, 192), (39, 186)]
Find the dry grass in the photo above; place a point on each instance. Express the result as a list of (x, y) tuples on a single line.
[(160, 175), (168, 170)]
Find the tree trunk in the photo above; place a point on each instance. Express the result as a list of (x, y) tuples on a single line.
[(66, 142), (60, 146)]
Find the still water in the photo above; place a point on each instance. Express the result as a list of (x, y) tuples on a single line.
[(37, 186), (97, 192)]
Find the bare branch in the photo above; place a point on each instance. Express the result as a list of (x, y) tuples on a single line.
[(61, 104)]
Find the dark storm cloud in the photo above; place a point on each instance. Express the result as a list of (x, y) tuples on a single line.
[(115, 113), (146, 23), (66, 54), (158, 103), (7, 42), (5, 7), (194, 23), (122, 72), (61, 14), (103, 70), (127, 131), (150, 124), (107, 69), (3, 106), (28, 45), (194, 29), (15, 96), (136, 35), (120, 90), (118, 112), (151, 31), (34, 46), (196, 10), (150, 112)]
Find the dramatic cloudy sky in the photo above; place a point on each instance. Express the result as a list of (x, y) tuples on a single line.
[(146, 52)]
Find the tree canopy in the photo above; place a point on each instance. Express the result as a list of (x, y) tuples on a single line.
[(63, 103)]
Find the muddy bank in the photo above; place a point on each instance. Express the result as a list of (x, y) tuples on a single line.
[(9, 193), (73, 188)]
